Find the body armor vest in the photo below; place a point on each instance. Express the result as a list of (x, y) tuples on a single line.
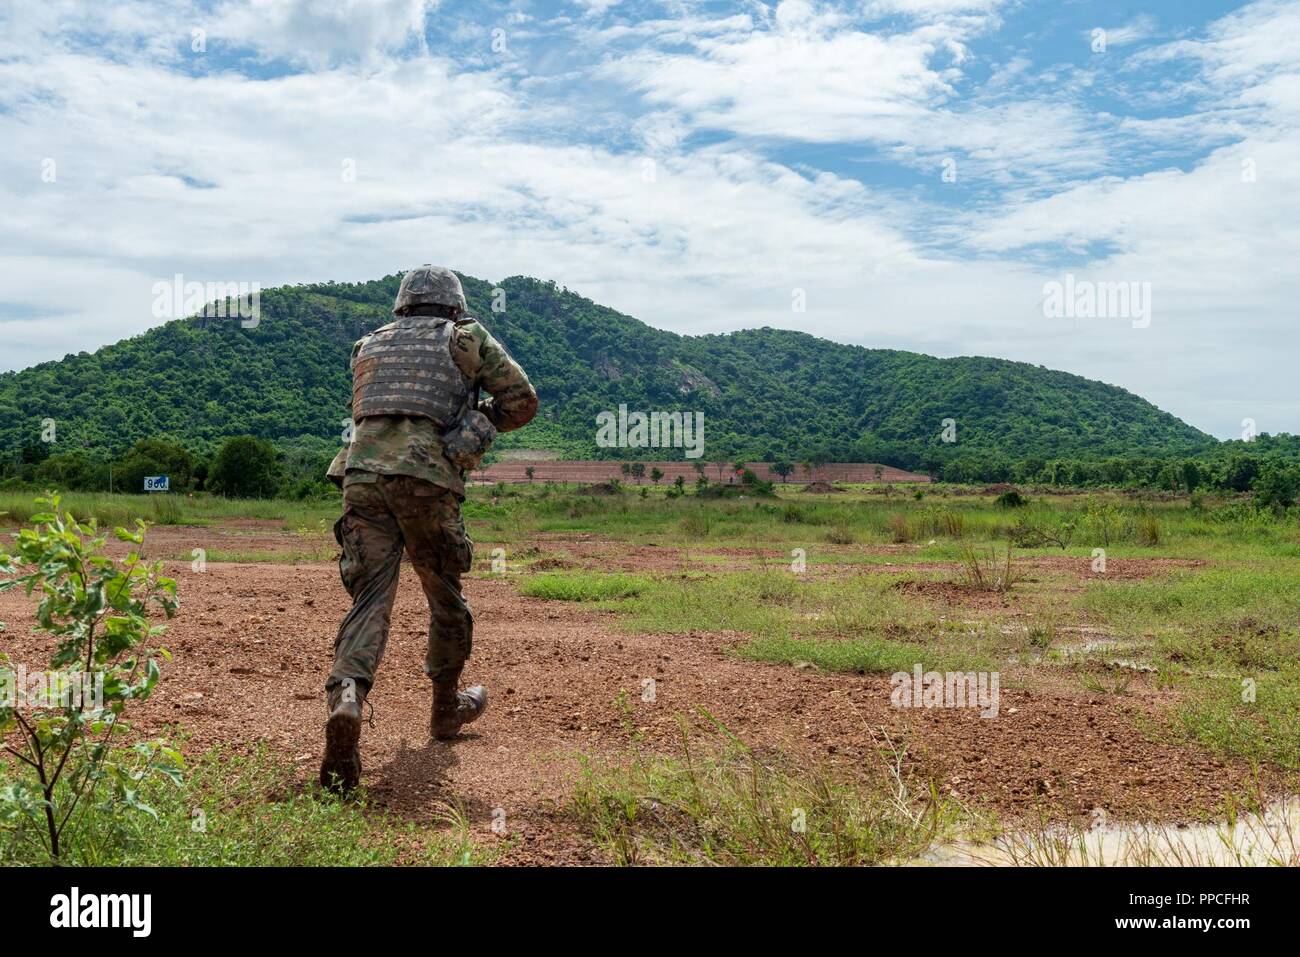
[(406, 368)]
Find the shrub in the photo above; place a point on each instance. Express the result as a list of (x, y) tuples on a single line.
[(697, 524), (987, 571), (1148, 530), (840, 535), (98, 610)]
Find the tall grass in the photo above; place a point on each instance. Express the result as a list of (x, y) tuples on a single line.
[(718, 802)]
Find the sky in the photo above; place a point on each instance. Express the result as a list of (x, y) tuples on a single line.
[(904, 174)]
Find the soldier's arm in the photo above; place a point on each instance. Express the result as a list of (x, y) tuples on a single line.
[(339, 466), (486, 363), (352, 363)]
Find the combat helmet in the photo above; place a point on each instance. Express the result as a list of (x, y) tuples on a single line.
[(429, 286)]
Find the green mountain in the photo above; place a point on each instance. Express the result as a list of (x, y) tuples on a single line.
[(765, 393)]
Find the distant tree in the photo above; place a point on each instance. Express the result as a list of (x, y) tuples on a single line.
[(699, 467), (1170, 477), (721, 464), (783, 469), (530, 472), (72, 470), (878, 472), (1238, 472), (626, 469), (656, 475), (245, 467), (680, 482), (638, 471), (1277, 486), (34, 452), (153, 457)]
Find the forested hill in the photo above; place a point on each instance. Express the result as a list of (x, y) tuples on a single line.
[(766, 393)]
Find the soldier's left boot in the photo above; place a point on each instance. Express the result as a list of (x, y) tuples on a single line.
[(340, 769), (453, 709)]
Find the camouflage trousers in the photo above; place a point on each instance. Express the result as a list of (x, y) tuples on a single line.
[(380, 519)]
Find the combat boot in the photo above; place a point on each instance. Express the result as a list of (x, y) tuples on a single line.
[(340, 769), (452, 708)]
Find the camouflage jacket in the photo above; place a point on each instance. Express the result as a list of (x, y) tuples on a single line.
[(412, 445)]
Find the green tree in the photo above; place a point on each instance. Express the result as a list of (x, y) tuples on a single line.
[(153, 457), (72, 470), (245, 467), (656, 475), (638, 471), (1277, 486)]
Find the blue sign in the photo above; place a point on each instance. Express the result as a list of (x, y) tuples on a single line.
[(155, 483)]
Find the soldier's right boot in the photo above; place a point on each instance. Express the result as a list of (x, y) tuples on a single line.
[(340, 769), (452, 708)]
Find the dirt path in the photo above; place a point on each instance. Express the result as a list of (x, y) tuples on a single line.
[(253, 644)]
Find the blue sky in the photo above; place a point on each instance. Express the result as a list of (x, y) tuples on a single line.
[(701, 166)]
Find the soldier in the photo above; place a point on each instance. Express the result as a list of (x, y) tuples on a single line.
[(418, 427)]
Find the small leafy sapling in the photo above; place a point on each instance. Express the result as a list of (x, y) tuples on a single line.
[(66, 741)]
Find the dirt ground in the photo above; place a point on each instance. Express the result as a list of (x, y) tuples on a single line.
[(253, 644)]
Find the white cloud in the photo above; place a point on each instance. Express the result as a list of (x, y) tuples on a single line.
[(321, 32), (1139, 28)]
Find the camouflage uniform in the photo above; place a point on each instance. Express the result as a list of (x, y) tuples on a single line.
[(400, 491)]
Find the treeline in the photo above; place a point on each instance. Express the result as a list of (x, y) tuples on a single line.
[(1268, 466), (240, 467)]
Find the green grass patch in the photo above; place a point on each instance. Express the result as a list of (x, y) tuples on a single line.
[(861, 623), (583, 586), (292, 556), (1229, 639), (16, 508), (865, 655)]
